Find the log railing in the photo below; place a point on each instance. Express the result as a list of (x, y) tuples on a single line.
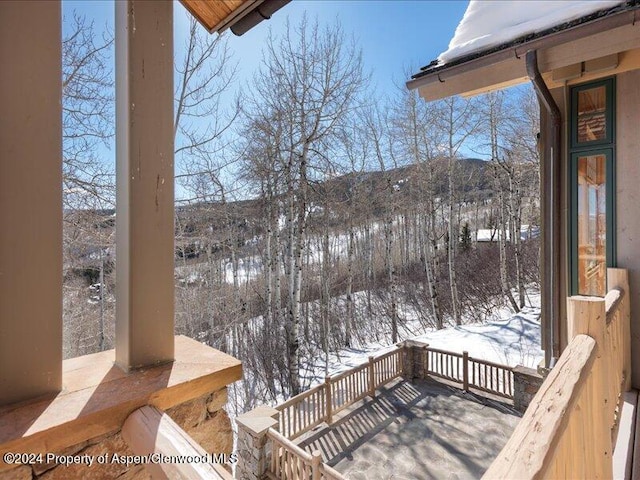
[(571, 425), (167, 451)]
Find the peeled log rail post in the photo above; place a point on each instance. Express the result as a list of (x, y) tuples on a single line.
[(538, 445), (566, 431), (148, 430), (316, 460), (587, 315), (618, 278)]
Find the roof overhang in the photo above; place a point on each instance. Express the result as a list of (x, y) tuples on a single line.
[(238, 15), (505, 66)]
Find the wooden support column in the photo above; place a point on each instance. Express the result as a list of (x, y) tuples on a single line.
[(30, 200), (145, 178)]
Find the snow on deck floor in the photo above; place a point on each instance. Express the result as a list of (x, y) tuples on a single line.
[(416, 430)]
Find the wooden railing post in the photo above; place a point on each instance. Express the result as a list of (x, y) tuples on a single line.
[(619, 278), (407, 360), (465, 371), (587, 315), (328, 398), (426, 361), (372, 377), (316, 459)]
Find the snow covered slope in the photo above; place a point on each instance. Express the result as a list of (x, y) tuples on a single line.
[(515, 340)]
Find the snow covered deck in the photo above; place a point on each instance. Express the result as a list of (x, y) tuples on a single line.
[(418, 430)]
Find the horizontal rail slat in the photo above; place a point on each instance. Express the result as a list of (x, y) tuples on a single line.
[(445, 352), (284, 442), (491, 364), (346, 373), (299, 397)]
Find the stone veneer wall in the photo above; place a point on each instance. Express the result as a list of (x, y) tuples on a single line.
[(203, 418), (526, 383)]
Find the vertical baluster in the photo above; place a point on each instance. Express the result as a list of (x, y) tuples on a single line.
[(485, 375), (288, 421)]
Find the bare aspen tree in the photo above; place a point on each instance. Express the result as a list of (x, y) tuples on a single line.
[(88, 186), (203, 75), (496, 118), (378, 129), (457, 122), (524, 172), (87, 115), (414, 122), (309, 79), (353, 140)]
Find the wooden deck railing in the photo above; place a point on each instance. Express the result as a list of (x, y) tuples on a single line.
[(303, 412), (319, 404), (290, 462), (470, 372), (490, 377), (571, 424)]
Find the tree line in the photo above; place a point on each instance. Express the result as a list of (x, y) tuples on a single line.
[(318, 214)]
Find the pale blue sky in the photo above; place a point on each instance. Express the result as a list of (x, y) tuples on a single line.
[(396, 36)]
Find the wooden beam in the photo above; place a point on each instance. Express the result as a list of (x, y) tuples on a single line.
[(594, 46), (145, 183), (510, 70), (216, 15), (587, 316), (30, 200), (500, 75), (149, 431)]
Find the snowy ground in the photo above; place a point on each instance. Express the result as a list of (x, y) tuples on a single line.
[(510, 339), (506, 338)]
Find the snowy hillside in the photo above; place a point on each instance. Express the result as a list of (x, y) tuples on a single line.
[(511, 340)]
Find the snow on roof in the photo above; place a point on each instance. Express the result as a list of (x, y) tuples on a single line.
[(490, 23)]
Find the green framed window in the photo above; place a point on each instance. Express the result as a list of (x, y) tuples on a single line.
[(592, 114), (592, 187)]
